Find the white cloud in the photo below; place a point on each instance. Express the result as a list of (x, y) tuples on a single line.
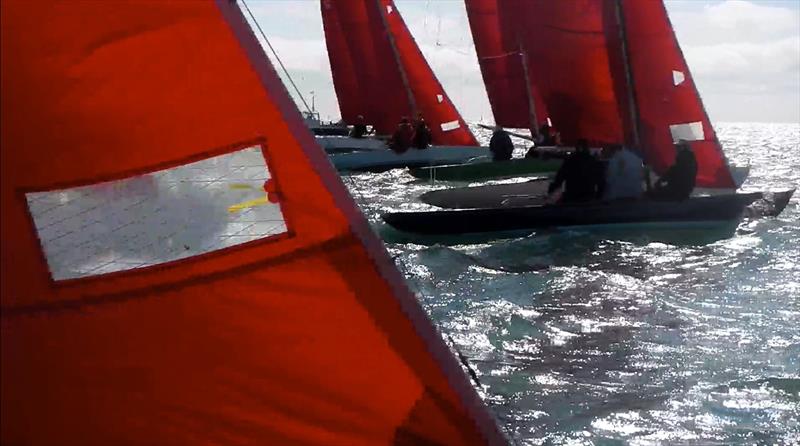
[(745, 58)]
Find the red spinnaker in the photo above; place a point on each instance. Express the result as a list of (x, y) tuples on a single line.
[(236, 346), (669, 106)]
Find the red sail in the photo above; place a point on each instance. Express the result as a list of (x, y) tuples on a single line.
[(392, 78), (345, 81), (666, 99), (379, 86), (109, 106), (566, 47), (446, 124), (500, 60)]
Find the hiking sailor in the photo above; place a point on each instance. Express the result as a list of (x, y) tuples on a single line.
[(581, 175), (679, 180), (500, 145), (402, 138), (624, 174), (359, 129), (422, 134), (545, 137)]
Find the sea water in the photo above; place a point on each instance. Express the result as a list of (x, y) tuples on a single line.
[(596, 337)]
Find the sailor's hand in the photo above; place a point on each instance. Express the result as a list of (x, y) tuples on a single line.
[(552, 198)]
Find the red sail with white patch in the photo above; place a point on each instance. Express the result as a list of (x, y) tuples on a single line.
[(151, 293)]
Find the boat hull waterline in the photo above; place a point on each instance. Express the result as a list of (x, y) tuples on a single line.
[(491, 170), (347, 144), (519, 194), (471, 221), (382, 160)]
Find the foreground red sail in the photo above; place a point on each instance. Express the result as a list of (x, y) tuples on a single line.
[(390, 76), (103, 109), (667, 104)]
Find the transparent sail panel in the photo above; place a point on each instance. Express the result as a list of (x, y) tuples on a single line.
[(692, 131), (155, 218), (677, 77), (449, 126)]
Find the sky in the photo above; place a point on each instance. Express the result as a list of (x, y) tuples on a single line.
[(744, 55)]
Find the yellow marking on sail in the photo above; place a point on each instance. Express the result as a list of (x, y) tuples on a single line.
[(241, 186), (248, 204)]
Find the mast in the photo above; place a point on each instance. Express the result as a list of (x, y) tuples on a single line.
[(534, 121), (631, 92), (411, 101)]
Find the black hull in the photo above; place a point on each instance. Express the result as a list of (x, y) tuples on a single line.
[(474, 221), (529, 193), (330, 131)]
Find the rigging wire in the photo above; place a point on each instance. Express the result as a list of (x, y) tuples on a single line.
[(275, 53)]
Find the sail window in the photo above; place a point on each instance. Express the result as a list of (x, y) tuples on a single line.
[(678, 77), (452, 125), (156, 218), (439, 98), (692, 131), (389, 9)]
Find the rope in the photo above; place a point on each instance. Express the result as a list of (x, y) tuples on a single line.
[(464, 361), (275, 53)]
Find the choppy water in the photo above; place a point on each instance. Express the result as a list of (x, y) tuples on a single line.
[(578, 338)]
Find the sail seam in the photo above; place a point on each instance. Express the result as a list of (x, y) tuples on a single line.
[(337, 242)]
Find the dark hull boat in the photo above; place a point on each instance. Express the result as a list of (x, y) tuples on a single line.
[(383, 160), (329, 130), (708, 209), (526, 193), (488, 170)]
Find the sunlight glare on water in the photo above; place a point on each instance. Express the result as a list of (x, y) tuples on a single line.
[(582, 339)]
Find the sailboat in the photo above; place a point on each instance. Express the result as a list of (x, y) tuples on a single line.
[(592, 99), (380, 73), (648, 103), (136, 308), (522, 65), (588, 99)]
